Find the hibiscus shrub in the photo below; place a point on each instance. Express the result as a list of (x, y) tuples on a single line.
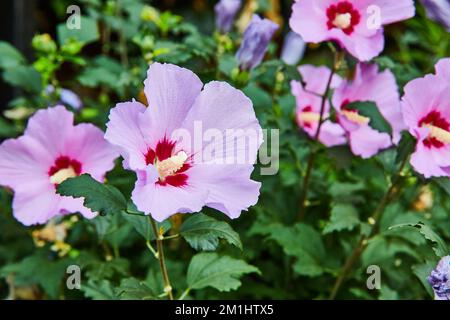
[(340, 188)]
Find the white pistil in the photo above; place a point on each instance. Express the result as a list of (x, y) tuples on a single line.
[(309, 116), (171, 165), (62, 175), (343, 20), (355, 117), (438, 133)]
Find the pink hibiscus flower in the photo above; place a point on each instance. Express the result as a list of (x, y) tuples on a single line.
[(369, 85), (309, 101), (356, 25), (182, 174), (426, 110), (51, 150)]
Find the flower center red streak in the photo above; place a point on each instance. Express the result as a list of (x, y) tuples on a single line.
[(343, 8)]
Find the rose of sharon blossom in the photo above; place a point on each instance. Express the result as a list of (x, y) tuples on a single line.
[(369, 85), (309, 101), (51, 150), (183, 147), (255, 42), (356, 25), (439, 11), (426, 110), (225, 12), (439, 279)]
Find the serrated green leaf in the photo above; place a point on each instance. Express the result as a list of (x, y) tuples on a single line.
[(439, 247), (99, 290), (203, 232), (98, 197), (305, 244), (370, 110), (134, 289), (219, 272), (343, 217)]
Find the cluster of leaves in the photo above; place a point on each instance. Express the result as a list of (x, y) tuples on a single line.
[(267, 249)]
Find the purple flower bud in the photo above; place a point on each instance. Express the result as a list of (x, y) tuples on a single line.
[(439, 279), (225, 12), (255, 42), (67, 97), (439, 11), (293, 48)]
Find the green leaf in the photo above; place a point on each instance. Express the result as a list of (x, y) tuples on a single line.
[(422, 271), (370, 110), (343, 217), (38, 269), (88, 31), (444, 183), (99, 290), (405, 147), (98, 197), (219, 272), (305, 244), (134, 289), (203, 232), (7, 130), (142, 223), (439, 246), (25, 77), (9, 56)]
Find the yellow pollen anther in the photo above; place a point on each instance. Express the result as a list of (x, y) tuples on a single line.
[(309, 116), (62, 175), (171, 165), (438, 133), (343, 20), (355, 117)]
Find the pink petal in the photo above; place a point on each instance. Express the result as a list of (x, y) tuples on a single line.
[(35, 206), (360, 46), (123, 131), (309, 20), (23, 161), (163, 201), (395, 11), (51, 127), (443, 69), (367, 142), (423, 162), (230, 189), (332, 134), (171, 92), (89, 147), (316, 78)]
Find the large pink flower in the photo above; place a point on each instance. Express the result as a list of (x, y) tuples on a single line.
[(369, 85), (426, 110), (309, 101), (51, 150), (183, 146), (357, 25)]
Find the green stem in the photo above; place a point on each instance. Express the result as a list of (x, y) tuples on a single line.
[(162, 263), (376, 217), (338, 57), (184, 294)]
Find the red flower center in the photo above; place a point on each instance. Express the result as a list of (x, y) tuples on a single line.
[(171, 167), (343, 16), (64, 168), (439, 129)]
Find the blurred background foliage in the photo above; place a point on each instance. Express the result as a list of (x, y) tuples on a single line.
[(106, 63)]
